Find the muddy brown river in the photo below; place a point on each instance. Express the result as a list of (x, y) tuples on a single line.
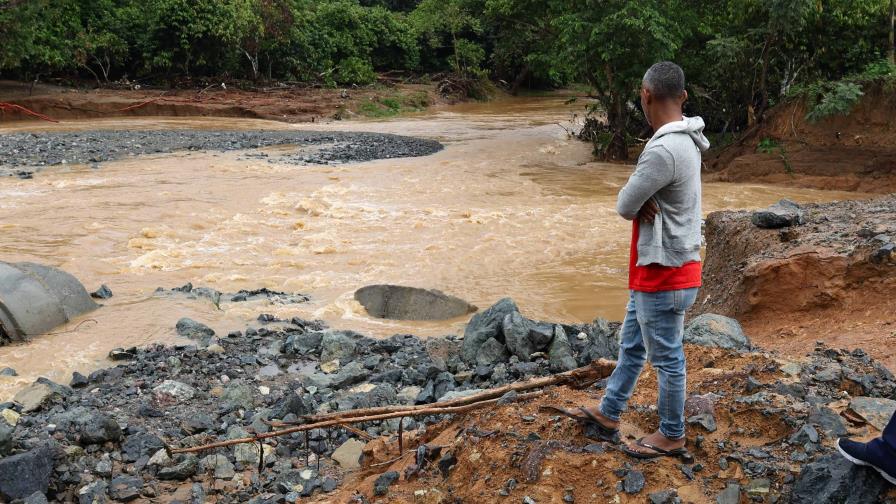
[(511, 207)]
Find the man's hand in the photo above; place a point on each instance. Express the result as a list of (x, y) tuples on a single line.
[(648, 211)]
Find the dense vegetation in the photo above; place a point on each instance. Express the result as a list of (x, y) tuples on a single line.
[(741, 56)]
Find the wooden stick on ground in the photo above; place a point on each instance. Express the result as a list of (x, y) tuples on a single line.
[(579, 377)]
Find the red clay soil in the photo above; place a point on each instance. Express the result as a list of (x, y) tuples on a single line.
[(294, 104), (856, 152), (545, 454), (818, 281)]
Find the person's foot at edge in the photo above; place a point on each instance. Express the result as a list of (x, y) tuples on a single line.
[(659, 440)]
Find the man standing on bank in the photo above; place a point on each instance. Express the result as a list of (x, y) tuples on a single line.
[(662, 199)]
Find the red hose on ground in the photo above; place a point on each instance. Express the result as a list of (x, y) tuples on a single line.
[(12, 107)]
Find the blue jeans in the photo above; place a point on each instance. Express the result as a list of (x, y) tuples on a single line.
[(653, 329)]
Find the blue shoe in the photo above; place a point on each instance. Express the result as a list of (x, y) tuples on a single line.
[(862, 454)]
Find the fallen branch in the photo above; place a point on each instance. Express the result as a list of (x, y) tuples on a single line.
[(578, 378)]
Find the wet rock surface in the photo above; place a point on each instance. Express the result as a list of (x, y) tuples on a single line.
[(107, 436), (717, 331), (399, 302), (23, 153)]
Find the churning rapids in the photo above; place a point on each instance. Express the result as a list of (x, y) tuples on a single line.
[(510, 207)]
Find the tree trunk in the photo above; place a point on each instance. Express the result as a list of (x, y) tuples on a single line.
[(520, 78), (763, 77), (893, 31), (617, 119)]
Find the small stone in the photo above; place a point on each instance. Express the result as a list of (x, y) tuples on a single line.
[(529, 500), (8, 371), (731, 495), (806, 434), (264, 390), (664, 497), (760, 486), (104, 292), (189, 328), (9, 416), (348, 455), (93, 493), (705, 420), (182, 470), (633, 482), (383, 482), (782, 214), (330, 366), (125, 488), (711, 330), (78, 380), (792, 368), (176, 390), (876, 411), (215, 349)]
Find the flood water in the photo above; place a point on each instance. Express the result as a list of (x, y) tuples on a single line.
[(511, 207)]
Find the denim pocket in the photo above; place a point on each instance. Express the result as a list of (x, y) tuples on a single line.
[(682, 299)]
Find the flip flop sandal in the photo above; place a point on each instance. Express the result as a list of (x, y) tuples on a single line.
[(600, 432), (658, 452)]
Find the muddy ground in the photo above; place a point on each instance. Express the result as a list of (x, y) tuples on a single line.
[(291, 104), (854, 152), (831, 278)]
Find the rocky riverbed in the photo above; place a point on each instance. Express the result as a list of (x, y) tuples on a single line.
[(760, 426), (23, 153)]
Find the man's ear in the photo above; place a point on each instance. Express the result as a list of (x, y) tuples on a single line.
[(684, 96)]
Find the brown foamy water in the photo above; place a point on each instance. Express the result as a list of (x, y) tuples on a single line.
[(511, 207)]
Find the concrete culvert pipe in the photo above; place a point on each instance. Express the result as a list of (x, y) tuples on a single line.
[(35, 298)]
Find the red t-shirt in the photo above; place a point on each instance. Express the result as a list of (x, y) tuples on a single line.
[(655, 277)]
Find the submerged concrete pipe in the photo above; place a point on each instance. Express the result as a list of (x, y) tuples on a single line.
[(35, 298)]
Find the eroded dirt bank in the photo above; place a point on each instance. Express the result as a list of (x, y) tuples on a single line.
[(286, 104), (830, 279), (856, 152)]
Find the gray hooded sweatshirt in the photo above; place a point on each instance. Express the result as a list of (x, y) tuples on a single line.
[(668, 171)]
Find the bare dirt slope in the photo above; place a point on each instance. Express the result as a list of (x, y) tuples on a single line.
[(288, 104), (856, 152), (829, 279)]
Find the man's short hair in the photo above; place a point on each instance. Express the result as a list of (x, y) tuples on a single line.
[(665, 80)]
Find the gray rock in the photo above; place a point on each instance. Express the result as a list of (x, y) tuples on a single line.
[(560, 352), (171, 389), (664, 497), (36, 498), (338, 345), (140, 445), (6, 436), (238, 395), (184, 468), (828, 421), (25, 473), (730, 495), (805, 434), (219, 465), (78, 380), (348, 455), (524, 337), (884, 253), (94, 493), (410, 303), (125, 488), (633, 482), (350, 374), (705, 420), (484, 325), (104, 466), (89, 425), (711, 330), (385, 480), (104, 292), (875, 410), (8, 371), (782, 214), (189, 328), (832, 478), (40, 393), (492, 352), (303, 343)]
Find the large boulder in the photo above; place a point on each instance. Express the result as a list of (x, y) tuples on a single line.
[(560, 352), (341, 345), (832, 478), (88, 426), (782, 214), (23, 474), (711, 330), (484, 325), (411, 303), (524, 337), (189, 328), (35, 298)]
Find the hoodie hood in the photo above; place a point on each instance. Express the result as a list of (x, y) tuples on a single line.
[(693, 126)]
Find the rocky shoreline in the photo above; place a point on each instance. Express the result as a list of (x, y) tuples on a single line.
[(21, 154), (102, 437)]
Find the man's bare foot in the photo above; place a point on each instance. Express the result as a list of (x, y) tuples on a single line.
[(658, 440)]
